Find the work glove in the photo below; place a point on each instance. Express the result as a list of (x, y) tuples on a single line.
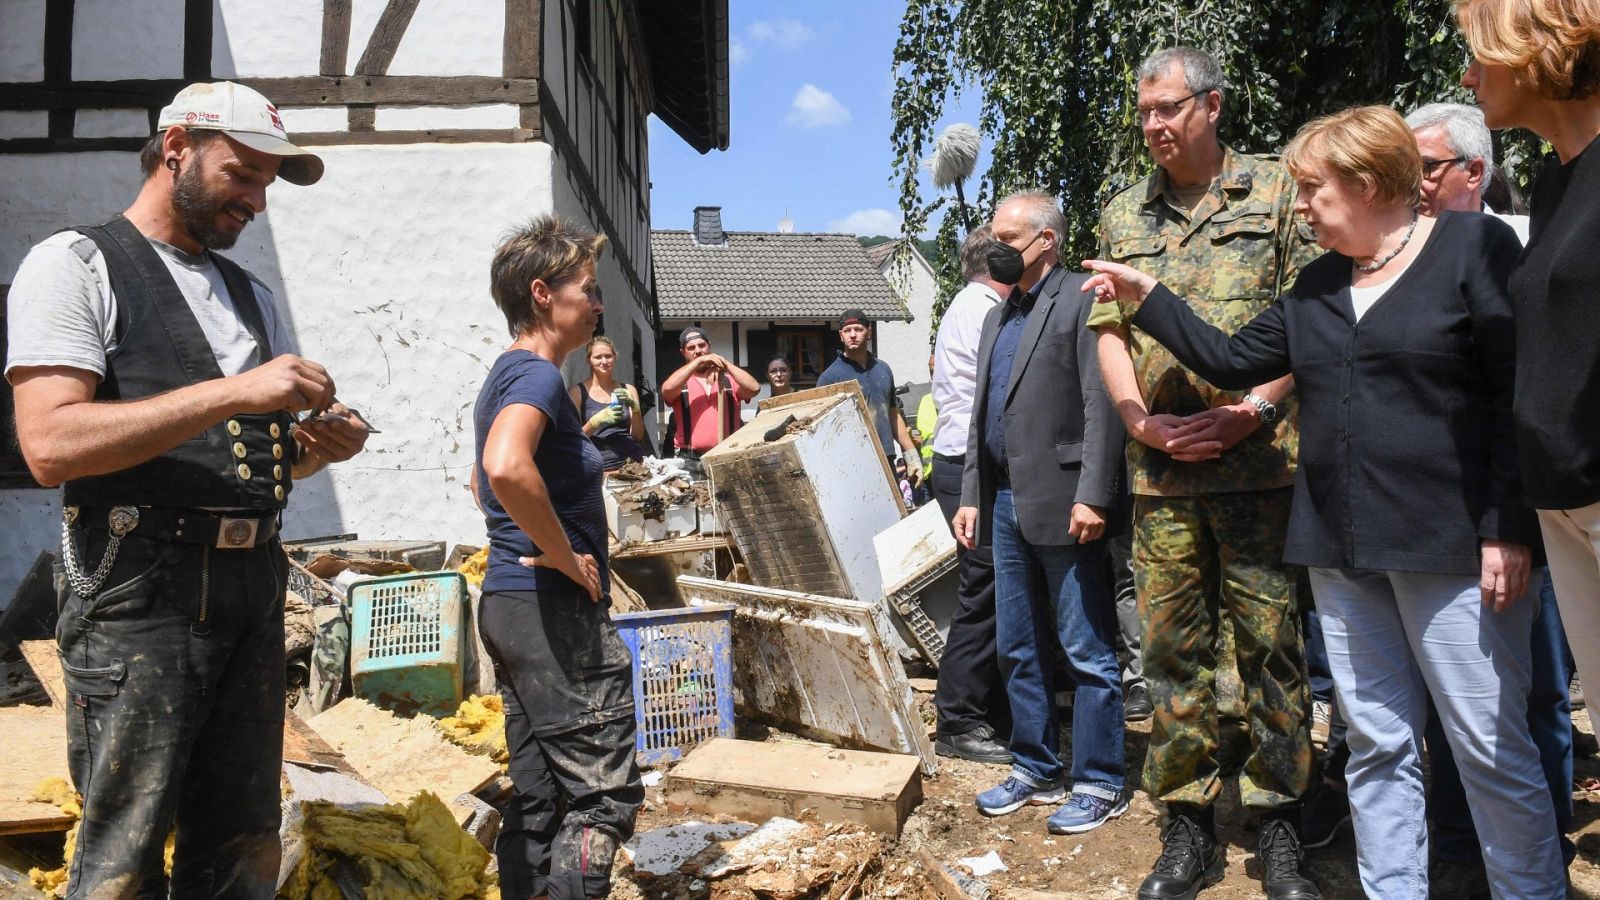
[(624, 397), (605, 418)]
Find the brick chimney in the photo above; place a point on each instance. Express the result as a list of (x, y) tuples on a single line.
[(708, 226)]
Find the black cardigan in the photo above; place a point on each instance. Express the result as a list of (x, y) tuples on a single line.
[(1556, 292), (1407, 454)]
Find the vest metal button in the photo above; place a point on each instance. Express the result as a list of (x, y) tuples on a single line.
[(278, 492), (277, 451), (277, 472), (238, 449), (274, 430), (233, 427), (244, 471)]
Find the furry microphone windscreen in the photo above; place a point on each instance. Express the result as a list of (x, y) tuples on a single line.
[(955, 154)]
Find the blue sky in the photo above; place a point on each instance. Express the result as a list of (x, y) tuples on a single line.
[(810, 93)]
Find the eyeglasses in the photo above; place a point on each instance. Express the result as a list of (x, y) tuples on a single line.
[(1168, 111), (1430, 167), (777, 371)]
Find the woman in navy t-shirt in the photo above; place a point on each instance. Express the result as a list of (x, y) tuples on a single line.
[(564, 674)]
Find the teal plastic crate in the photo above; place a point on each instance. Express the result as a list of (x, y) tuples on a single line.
[(682, 678), (406, 641)]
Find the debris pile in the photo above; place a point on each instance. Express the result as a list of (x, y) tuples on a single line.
[(479, 726), (415, 850), (783, 859)]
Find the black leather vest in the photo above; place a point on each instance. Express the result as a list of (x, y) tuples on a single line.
[(241, 462)]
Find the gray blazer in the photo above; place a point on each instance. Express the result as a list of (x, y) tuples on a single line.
[(1064, 439)]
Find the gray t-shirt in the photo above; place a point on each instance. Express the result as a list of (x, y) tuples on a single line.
[(61, 310)]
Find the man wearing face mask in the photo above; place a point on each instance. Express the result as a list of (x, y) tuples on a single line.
[(1210, 473), (1040, 477)]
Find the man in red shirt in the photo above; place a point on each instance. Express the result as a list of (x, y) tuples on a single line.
[(694, 391)]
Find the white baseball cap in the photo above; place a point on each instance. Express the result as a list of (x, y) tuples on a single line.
[(245, 116)]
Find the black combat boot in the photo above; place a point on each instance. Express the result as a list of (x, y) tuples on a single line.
[(1281, 856), (1190, 859)]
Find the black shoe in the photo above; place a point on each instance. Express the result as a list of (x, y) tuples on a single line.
[(1326, 811), (978, 745), (1137, 708), (1453, 879), (1189, 861), (1280, 855), (1584, 743)]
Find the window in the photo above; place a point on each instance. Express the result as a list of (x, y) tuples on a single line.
[(13, 471), (808, 352)]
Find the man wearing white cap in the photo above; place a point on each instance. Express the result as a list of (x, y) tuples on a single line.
[(157, 382)]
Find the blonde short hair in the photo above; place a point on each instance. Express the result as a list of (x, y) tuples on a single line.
[(550, 249), (596, 341), (1368, 144), (1552, 47)]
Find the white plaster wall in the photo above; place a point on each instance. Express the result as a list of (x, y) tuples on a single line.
[(21, 40), (303, 119), (114, 39), (64, 189), (100, 123), (905, 346), (451, 37), (421, 118), (256, 39), (24, 123)]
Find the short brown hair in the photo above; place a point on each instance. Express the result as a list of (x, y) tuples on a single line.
[(549, 248), (1552, 47), (150, 154), (1368, 144), (596, 341)]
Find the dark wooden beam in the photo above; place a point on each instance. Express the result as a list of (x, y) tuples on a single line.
[(440, 136), (362, 118), (197, 19), (524, 37), (335, 36), (58, 62), (315, 90), (386, 37)]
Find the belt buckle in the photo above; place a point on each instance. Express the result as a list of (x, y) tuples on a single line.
[(237, 534)]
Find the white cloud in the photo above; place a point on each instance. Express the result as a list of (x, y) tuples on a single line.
[(868, 222), (786, 33), (738, 53), (814, 107)]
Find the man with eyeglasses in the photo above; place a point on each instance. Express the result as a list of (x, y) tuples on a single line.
[(1211, 471)]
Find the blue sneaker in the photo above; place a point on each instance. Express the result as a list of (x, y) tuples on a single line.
[(1085, 812), (1012, 795)]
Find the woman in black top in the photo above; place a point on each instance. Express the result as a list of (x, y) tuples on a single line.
[(1536, 65), (610, 410), (1407, 505)]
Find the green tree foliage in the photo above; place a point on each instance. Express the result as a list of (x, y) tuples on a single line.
[(1057, 80)]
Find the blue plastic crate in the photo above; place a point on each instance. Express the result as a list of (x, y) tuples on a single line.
[(406, 641), (682, 678)]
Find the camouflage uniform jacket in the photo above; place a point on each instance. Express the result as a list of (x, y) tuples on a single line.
[(1239, 249)]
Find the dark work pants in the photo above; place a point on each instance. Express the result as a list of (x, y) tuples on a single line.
[(1120, 555), (567, 682), (970, 692), (175, 680)]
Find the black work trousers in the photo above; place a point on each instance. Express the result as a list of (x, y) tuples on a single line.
[(970, 692), (174, 676), (567, 682)]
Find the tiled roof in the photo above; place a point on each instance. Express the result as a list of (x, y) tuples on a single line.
[(877, 253), (768, 275)]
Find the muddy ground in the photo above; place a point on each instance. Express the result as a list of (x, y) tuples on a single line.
[(1108, 862)]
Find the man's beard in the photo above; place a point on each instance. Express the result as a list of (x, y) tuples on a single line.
[(198, 210)]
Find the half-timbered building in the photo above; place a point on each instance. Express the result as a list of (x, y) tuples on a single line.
[(442, 124)]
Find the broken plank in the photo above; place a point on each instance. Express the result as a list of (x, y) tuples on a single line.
[(46, 665), (36, 751), (401, 756)]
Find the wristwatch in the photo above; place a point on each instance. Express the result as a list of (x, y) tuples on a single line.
[(1264, 409)]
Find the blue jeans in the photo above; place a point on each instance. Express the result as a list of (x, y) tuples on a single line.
[(1550, 725), (1042, 594), (1395, 639)]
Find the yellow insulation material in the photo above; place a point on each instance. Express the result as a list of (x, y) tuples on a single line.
[(474, 567), (403, 853), (479, 726)]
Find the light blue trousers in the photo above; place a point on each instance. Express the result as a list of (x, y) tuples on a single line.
[(1394, 639)]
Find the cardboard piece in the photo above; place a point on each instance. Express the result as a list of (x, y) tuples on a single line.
[(43, 658), (763, 780), (401, 756), (36, 750), (819, 667)]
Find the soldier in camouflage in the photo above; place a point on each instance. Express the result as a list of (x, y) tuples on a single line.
[(1210, 471)]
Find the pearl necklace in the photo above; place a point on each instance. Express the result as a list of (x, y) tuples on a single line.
[(1389, 257)]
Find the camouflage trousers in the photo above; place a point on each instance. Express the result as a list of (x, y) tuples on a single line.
[(1198, 561)]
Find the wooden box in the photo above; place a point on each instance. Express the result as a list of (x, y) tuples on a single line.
[(756, 781)]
